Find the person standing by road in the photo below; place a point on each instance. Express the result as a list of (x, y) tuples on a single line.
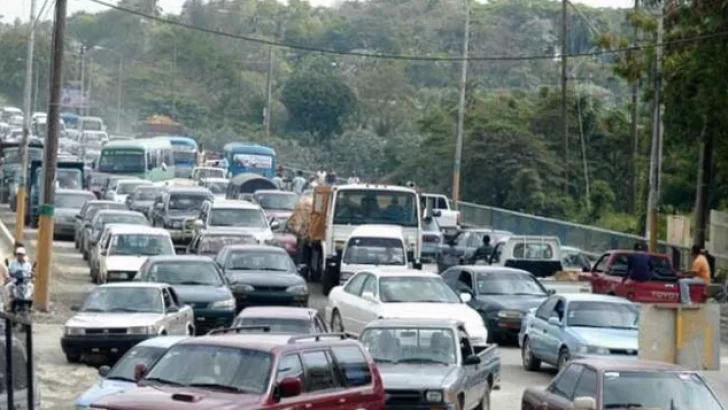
[(298, 183), (484, 251), (321, 176), (353, 179), (278, 179), (639, 267), (331, 178), (699, 273)]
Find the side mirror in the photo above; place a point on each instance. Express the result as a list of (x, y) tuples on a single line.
[(369, 296), (550, 291), (554, 321), (172, 309), (437, 213), (466, 297), (585, 403), (77, 216), (471, 360), (274, 224), (290, 387), (75, 308), (104, 371), (140, 370)]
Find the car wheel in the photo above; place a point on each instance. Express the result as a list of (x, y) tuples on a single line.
[(564, 357), (190, 330), (337, 325), (485, 400), (530, 362), (85, 255), (73, 358)]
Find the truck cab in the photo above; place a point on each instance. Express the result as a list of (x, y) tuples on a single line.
[(540, 255), (373, 245)]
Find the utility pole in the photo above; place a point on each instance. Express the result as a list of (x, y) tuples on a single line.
[(636, 87), (20, 197), (656, 149), (564, 94), (45, 231), (268, 93), (83, 81), (118, 94), (461, 111)]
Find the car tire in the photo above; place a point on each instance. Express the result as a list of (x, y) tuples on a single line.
[(563, 358), (530, 362), (85, 255), (337, 325), (485, 400), (73, 358)]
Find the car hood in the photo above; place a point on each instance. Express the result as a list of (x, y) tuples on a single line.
[(112, 319), (520, 303), (125, 263), (201, 293), (627, 339), (66, 214), (473, 322), (152, 398), (415, 376), (141, 204), (260, 234), (103, 388), (263, 278)]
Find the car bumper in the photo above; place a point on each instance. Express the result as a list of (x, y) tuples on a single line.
[(503, 327), (181, 236), (115, 344), (244, 300), (61, 228), (208, 319)]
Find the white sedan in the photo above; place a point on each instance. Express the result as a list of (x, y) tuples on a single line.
[(403, 293)]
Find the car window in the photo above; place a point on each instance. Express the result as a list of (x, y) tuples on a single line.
[(602, 263), (355, 284), (544, 312), (353, 366), (587, 384), (565, 382), (290, 366), (319, 372), (370, 285)]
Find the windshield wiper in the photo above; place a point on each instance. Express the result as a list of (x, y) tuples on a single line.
[(217, 386), (421, 360), (93, 310), (192, 282), (120, 309), (126, 379), (528, 294), (163, 381), (622, 406), (378, 360)]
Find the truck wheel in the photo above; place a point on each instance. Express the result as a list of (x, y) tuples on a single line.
[(73, 358), (337, 325), (530, 362), (330, 280)]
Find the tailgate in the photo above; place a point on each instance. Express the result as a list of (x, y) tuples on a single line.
[(539, 268)]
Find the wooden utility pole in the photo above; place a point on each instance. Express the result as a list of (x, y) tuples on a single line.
[(461, 111), (564, 93), (268, 94), (656, 151), (636, 87), (45, 231)]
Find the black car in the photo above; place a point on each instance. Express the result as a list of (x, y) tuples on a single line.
[(207, 243), (198, 282), (174, 207), (262, 275), (86, 214), (502, 296)]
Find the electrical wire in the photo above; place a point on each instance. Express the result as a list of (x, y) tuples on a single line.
[(40, 14), (272, 43)]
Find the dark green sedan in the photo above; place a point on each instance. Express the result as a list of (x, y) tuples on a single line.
[(198, 282)]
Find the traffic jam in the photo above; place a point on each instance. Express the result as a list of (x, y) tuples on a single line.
[(203, 281)]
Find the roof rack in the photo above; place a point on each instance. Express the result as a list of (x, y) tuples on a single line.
[(238, 329), (318, 337)]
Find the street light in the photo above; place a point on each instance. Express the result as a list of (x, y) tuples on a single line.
[(119, 83)]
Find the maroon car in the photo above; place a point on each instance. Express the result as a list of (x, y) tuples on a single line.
[(601, 384)]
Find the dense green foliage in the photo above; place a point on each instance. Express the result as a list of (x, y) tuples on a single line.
[(394, 119)]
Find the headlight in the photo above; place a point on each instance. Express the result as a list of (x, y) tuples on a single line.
[(433, 396), (298, 289), (70, 331), (141, 330), (243, 288), (510, 314), (228, 304), (585, 349)]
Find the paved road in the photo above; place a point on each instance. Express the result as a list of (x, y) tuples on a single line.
[(61, 382)]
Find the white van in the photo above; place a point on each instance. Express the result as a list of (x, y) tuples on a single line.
[(123, 249), (382, 246)]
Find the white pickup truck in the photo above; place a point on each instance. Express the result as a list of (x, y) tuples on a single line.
[(447, 218)]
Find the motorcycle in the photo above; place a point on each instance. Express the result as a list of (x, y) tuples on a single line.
[(22, 297)]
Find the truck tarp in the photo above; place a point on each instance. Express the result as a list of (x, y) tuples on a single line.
[(248, 183), (300, 221)]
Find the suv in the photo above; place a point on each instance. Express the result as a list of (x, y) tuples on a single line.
[(172, 209), (234, 369)]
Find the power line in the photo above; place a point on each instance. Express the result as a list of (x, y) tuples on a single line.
[(41, 14), (407, 57)]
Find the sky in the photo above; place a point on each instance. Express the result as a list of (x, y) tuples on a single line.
[(21, 8)]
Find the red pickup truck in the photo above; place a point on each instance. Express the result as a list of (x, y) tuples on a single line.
[(608, 273)]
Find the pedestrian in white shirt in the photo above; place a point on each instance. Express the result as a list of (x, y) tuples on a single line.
[(321, 176), (353, 179), (298, 182)]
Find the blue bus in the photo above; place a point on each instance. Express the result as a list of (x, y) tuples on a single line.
[(185, 155), (242, 158)]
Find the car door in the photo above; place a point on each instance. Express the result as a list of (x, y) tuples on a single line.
[(322, 383), (186, 313), (598, 282), (365, 310), (102, 255), (537, 326), (356, 375), (172, 317), (559, 394), (474, 381), (347, 298), (553, 333), (586, 386), (290, 366)]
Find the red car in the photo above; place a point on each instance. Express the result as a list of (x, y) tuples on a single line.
[(608, 273), (236, 369)]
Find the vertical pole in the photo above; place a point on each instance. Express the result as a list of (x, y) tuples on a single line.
[(118, 94), (268, 94), (45, 233), (174, 77), (20, 197), (564, 94), (9, 376), (461, 111), (29, 370), (654, 196), (83, 83), (35, 88), (636, 86)]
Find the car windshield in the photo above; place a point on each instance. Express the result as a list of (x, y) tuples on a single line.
[(277, 200), (658, 263), (124, 299), (125, 161), (217, 188), (68, 178), (214, 367), (211, 245), (145, 193), (239, 217), (259, 260), (92, 210), (369, 206), (410, 345), (186, 202), (375, 251), (183, 155), (416, 289), (277, 325), (509, 283), (209, 173), (73, 201), (124, 368), (110, 218), (186, 273), (667, 390), (131, 244), (127, 188), (603, 314)]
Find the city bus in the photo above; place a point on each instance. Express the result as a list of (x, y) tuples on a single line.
[(252, 158), (151, 159), (185, 155)]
